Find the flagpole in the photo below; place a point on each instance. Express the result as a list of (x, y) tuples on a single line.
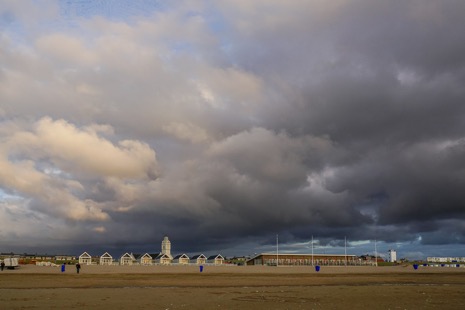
[(312, 252), (345, 250), (376, 255), (277, 250)]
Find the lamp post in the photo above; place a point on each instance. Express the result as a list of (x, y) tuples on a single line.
[(312, 253), (277, 250)]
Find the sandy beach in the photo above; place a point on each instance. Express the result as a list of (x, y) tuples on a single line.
[(231, 287)]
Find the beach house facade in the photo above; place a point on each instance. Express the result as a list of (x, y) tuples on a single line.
[(106, 259)]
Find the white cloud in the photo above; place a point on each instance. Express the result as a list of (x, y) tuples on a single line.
[(50, 164), (65, 48), (186, 131), (75, 150)]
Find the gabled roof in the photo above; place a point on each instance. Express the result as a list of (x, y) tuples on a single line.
[(104, 255), (198, 256), (215, 257), (127, 255), (144, 255), (181, 256), (161, 255), (85, 254)]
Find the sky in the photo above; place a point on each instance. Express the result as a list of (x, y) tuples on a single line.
[(226, 124)]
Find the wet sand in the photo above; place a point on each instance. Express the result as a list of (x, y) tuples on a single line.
[(231, 287)]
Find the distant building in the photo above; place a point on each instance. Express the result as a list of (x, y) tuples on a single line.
[(392, 256), (199, 259), (371, 258), (127, 259), (216, 259), (106, 259), (65, 257), (446, 259), (85, 259), (182, 259), (273, 259), (144, 259), (163, 259), (166, 247)]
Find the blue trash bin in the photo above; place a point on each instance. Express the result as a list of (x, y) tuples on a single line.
[(317, 268), (63, 268), (201, 268), (415, 266)]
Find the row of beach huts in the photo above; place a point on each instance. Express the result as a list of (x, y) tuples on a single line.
[(149, 259), (162, 258)]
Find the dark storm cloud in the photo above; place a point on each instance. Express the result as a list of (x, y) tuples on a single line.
[(383, 81)]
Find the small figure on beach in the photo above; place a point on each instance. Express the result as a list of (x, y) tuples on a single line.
[(2, 265), (78, 267)]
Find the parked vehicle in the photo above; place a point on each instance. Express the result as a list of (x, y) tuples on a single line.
[(11, 262)]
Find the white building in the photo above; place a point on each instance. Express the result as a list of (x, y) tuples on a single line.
[(144, 259), (85, 259), (163, 259), (127, 259), (446, 259), (216, 259), (182, 259), (392, 256), (106, 259), (198, 259), (166, 247)]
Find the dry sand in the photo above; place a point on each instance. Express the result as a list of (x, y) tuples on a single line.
[(231, 287)]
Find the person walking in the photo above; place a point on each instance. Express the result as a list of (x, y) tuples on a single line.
[(2, 265), (78, 267)]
